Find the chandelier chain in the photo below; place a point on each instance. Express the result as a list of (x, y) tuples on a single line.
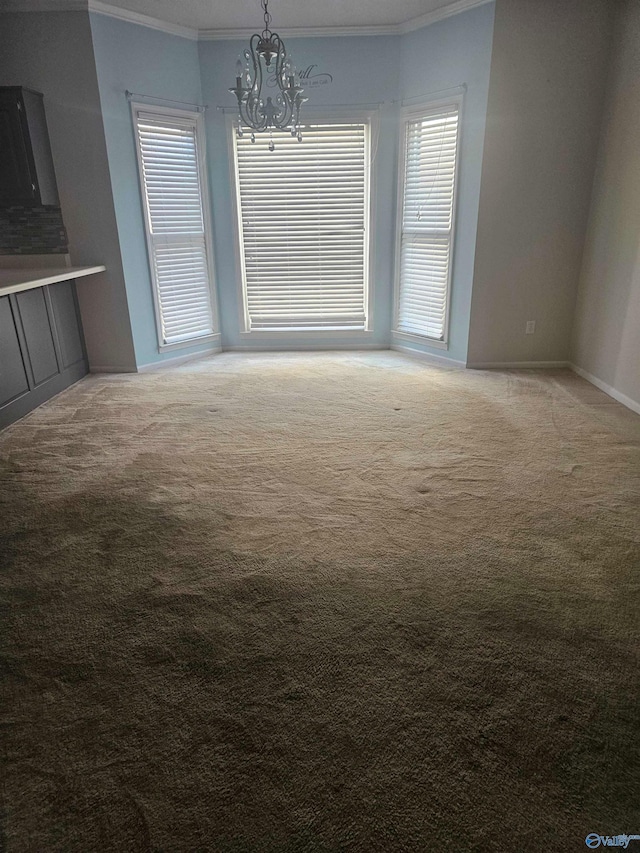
[(267, 17)]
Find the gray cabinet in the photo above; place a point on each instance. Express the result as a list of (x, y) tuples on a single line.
[(41, 347), (67, 322), (13, 374), (38, 334), (27, 176)]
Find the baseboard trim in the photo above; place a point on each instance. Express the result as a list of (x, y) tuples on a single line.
[(311, 347), (440, 360), (629, 402), (178, 359), (516, 365), (110, 368)]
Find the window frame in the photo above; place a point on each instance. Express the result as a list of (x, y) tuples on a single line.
[(310, 336), (195, 118), (408, 114)]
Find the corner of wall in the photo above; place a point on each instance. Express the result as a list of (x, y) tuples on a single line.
[(606, 330), (534, 198)]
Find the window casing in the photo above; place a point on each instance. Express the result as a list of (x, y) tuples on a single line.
[(303, 228), (171, 160), (426, 219)]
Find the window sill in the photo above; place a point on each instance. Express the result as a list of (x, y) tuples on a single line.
[(307, 334), (192, 342), (408, 337)]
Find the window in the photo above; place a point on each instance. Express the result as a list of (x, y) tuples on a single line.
[(427, 204), (303, 219), (173, 184)]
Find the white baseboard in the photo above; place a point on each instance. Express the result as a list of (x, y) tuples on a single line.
[(441, 360), (311, 347), (99, 368), (634, 405), (516, 365), (178, 359)]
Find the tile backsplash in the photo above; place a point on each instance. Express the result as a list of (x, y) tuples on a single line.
[(32, 231)]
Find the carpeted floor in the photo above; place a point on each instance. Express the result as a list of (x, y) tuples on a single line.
[(320, 602)]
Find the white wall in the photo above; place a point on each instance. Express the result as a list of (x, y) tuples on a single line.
[(548, 72), (52, 52), (606, 341)]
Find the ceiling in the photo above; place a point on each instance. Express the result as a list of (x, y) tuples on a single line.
[(286, 14)]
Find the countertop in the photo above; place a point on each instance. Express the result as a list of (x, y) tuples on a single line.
[(15, 280)]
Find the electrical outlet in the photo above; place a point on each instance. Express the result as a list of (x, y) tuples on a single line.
[(530, 328)]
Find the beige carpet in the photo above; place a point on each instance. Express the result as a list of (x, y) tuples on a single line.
[(320, 603)]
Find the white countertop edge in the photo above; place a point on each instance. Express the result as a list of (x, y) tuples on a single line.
[(40, 278)]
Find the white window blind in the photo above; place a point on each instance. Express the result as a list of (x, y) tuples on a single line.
[(303, 211), (172, 181), (426, 234)]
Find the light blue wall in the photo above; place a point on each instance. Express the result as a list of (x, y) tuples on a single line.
[(447, 54), (364, 71), (129, 56), (378, 72), (383, 70)]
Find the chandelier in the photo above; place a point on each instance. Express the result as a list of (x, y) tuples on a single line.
[(266, 62)]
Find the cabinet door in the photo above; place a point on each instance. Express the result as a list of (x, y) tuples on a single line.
[(13, 376), (67, 323), (17, 181), (38, 334)]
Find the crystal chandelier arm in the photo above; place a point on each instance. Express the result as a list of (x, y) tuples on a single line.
[(284, 113), (251, 115)]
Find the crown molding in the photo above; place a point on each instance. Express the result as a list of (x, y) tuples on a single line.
[(298, 32), (425, 20), (101, 8), (143, 20), (455, 8)]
